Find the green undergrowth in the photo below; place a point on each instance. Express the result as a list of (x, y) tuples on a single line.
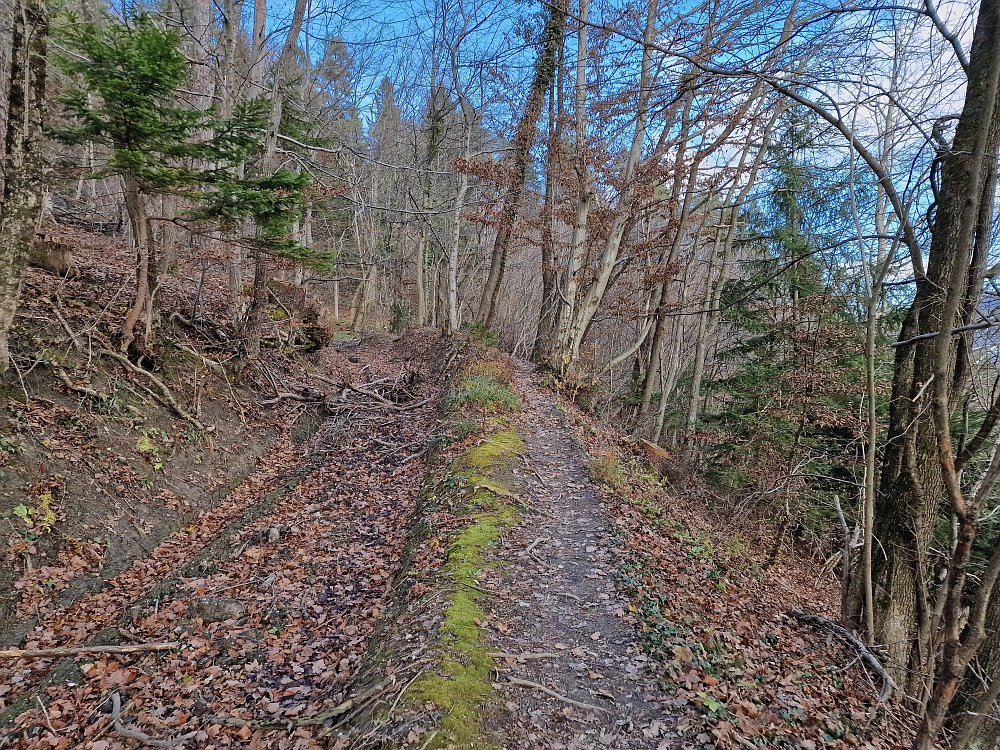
[(480, 490), (482, 390)]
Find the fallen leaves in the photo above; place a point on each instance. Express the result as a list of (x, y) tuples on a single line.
[(742, 673), (310, 595)]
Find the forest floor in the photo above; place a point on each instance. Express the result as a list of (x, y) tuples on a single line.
[(431, 550)]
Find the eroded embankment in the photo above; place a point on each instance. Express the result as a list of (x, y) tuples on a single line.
[(264, 616)]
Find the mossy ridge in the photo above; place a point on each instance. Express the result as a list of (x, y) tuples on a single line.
[(462, 684)]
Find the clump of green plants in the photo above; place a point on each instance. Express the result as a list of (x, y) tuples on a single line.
[(482, 390), (8, 447), (39, 518), (483, 334), (605, 468), (148, 444)]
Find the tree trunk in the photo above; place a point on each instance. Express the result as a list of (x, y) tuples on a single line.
[(227, 93), (421, 284), (145, 271), (453, 253), (22, 187), (257, 50), (912, 479), (524, 139), (548, 315), (253, 321)]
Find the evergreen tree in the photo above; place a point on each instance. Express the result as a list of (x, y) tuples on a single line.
[(127, 73)]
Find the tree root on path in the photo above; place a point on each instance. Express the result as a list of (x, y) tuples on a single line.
[(529, 655), (554, 694)]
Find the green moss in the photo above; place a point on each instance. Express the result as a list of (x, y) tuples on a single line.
[(496, 450), (461, 685)]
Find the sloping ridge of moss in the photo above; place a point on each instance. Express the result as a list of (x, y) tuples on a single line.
[(429, 642), (461, 685)]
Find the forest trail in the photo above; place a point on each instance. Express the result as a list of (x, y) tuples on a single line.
[(559, 596), (272, 603)]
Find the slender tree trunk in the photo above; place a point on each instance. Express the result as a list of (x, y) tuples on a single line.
[(548, 316), (257, 49), (421, 284), (254, 318), (453, 253), (227, 93), (524, 139), (145, 273), (22, 187), (561, 359), (253, 321)]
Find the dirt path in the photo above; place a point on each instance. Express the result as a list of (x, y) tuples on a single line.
[(559, 598)]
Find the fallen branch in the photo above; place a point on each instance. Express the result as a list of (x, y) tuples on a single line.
[(44, 653), (554, 694), (165, 395), (137, 734), (287, 396), (519, 657), (848, 637)]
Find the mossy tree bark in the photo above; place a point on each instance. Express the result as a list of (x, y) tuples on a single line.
[(22, 188), (524, 139)]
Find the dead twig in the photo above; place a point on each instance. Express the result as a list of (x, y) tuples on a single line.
[(554, 694), (520, 657), (44, 653)]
